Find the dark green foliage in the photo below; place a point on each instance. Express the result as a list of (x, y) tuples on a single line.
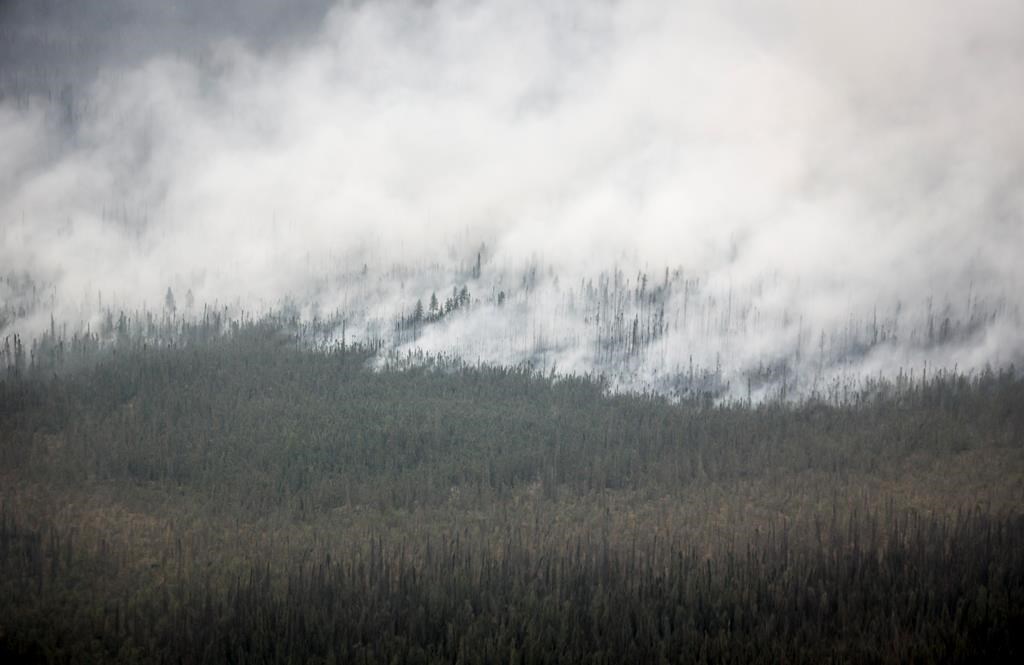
[(881, 588), (257, 418), (248, 428)]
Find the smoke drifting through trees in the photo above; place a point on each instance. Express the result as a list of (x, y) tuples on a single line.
[(821, 207), (511, 331)]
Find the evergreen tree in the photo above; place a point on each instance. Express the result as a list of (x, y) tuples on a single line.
[(169, 301)]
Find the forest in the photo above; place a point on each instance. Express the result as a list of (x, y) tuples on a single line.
[(237, 495), (505, 331)]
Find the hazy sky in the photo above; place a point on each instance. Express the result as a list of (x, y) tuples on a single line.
[(857, 152)]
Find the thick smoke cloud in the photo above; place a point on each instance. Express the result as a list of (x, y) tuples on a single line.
[(811, 163)]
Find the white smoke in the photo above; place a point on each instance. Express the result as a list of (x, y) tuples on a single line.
[(813, 164)]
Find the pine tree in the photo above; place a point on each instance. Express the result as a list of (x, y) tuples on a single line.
[(169, 301)]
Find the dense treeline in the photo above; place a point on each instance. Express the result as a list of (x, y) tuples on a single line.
[(672, 332), (881, 588), (236, 496), (254, 416)]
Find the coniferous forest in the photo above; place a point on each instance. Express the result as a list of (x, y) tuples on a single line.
[(511, 331), (242, 497)]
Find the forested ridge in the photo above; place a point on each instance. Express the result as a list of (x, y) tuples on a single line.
[(241, 497), (475, 331)]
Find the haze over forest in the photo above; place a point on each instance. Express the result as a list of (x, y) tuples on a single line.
[(511, 331), (812, 190)]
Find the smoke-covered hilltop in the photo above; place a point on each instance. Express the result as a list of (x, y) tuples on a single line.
[(749, 193)]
